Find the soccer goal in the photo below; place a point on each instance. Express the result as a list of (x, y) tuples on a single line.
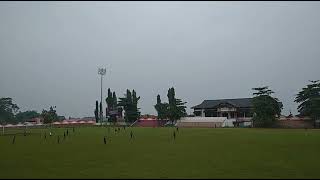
[(7, 131)]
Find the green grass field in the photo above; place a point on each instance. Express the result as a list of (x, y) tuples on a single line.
[(196, 153)]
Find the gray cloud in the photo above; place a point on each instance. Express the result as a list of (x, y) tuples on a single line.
[(50, 51)]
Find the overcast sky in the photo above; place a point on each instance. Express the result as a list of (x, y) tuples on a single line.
[(50, 51)]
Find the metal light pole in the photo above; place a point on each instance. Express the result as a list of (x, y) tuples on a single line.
[(102, 72)]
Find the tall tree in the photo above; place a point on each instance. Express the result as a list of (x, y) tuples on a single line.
[(96, 112), (109, 100), (113, 107), (112, 104), (49, 116), (265, 108), (130, 106), (135, 109), (129, 98), (161, 108), (158, 99), (176, 108), (309, 100), (115, 100), (107, 112), (7, 110), (157, 106)]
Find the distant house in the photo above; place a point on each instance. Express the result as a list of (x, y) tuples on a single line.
[(148, 120), (238, 112), (61, 118), (208, 122), (36, 120), (295, 122), (75, 122), (115, 115), (230, 108), (146, 116)]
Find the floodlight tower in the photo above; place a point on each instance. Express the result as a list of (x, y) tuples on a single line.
[(102, 72)]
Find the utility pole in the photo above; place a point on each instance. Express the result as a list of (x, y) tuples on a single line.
[(101, 72)]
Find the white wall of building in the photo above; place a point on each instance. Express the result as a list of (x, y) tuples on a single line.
[(202, 119)]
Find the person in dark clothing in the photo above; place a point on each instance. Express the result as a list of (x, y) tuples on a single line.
[(131, 135), (64, 135), (177, 129), (104, 140), (14, 139), (45, 135), (67, 132), (174, 135)]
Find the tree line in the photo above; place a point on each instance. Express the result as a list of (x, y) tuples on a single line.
[(173, 110), (9, 113), (266, 108), (115, 108)]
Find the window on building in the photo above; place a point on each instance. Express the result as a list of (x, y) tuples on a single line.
[(210, 113), (197, 113)]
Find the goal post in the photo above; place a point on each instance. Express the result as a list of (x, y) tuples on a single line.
[(13, 130)]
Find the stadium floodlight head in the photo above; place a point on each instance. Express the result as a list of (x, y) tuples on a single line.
[(102, 71)]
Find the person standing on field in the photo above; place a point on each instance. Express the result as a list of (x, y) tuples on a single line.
[(131, 135), (14, 139)]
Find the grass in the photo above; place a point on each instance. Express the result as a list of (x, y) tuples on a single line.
[(196, 153)]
